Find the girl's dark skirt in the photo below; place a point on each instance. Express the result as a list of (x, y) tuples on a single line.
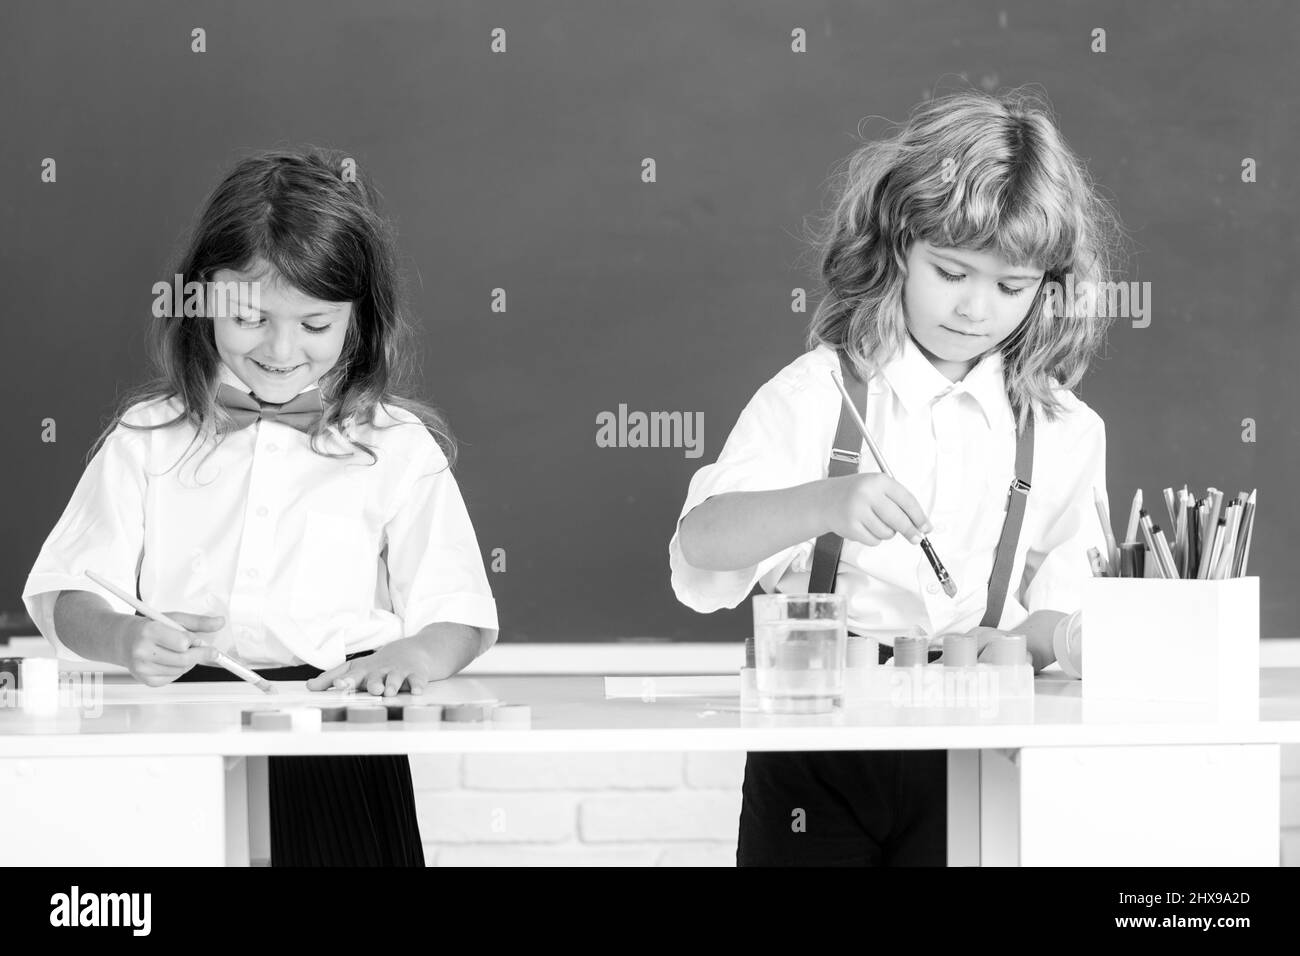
[(336, 811), (845, 808)]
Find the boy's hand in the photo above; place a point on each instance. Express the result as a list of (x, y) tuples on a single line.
[(983, 636), (401, 665), (871, 508), (1037, 629)]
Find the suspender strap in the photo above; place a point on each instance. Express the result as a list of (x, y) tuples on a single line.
[(844, 461), (845, 457), (1017, 495)]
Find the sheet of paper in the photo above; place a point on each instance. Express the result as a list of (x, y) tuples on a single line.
[(649, 686)]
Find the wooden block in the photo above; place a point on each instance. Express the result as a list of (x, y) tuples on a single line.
[(466, 713), (334, 714), (512, 714), (394, 710), (272, 720), (305, 718), (422, 713), (367, 714)]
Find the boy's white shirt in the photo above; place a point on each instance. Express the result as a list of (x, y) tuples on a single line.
[(298, 574), (952, 445)]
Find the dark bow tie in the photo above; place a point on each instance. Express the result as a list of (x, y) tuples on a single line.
[(301, 412)]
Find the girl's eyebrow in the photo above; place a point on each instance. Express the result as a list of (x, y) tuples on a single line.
[(954, 259), (305, 315)]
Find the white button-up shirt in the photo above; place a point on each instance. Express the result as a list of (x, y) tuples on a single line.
[(308, 558), (952, 445)]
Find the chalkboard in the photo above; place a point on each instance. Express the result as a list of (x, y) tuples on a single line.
[(522, 171)]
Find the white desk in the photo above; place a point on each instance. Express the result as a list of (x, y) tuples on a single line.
[(166, 776)]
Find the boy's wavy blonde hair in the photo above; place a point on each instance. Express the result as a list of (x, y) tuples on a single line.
[(975, 171)]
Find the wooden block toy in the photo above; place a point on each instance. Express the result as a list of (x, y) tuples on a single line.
[(467, 713), (11, 673), (512, 714), (271, 720), (367, 714), (336, 714), (305, 718), (422, 713)]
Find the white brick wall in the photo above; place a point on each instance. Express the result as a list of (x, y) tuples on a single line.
[(579, 771), (657, 809), (670, 809)]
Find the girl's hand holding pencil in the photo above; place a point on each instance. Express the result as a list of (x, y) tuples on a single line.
[(156, 654), (157, 661)]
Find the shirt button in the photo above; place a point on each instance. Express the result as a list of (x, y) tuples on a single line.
[(251, 572), (932, 589), (261, 512), (273, 447)]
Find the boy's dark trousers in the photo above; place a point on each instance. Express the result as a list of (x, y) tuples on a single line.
[(845, 808)]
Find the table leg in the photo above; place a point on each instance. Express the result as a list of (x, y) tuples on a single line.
[(963, 808), (259, 812)]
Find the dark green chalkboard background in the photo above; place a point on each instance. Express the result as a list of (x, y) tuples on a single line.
[(521, 171)]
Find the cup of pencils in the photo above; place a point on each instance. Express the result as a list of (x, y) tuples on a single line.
[(1210, 540), (1175, 619)]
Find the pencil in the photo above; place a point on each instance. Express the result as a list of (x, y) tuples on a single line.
[(1216, 548), (1131, 533), (1208, 542), (1162, 545), (949, 586), (1112, 549), (1194, 539), (236, 668), (1180, 535), (1223, 569), (1154, 561), (1249, 519), (1169, 506)]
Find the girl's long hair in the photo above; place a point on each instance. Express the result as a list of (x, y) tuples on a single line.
[(320, 231), (976, 171)]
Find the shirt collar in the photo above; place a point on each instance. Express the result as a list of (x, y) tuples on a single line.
[(918, 384)]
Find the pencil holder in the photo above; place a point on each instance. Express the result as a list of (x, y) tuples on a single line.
[(1194, 641)]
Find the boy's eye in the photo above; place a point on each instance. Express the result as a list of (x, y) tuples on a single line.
[(246, 322), (1006, 290)]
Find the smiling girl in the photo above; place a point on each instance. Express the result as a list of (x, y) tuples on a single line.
[(321, 537)]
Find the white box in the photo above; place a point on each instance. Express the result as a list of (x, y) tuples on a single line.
[(1151, 639)]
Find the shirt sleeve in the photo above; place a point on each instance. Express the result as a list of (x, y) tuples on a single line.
[(102, 530), (778, 442), (435, 569), (1056, 566)]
